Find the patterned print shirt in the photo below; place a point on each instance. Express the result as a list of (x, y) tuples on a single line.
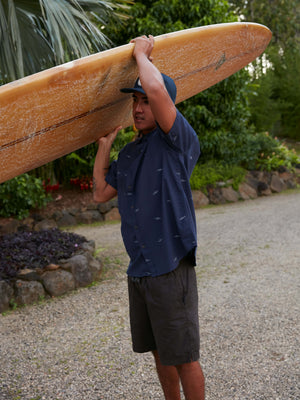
[(151, 176)]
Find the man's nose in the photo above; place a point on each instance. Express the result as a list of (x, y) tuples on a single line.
[(138, 106)]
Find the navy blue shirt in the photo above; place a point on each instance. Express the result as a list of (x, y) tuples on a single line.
[(151, 176)]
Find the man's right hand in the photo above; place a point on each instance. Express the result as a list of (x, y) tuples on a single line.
[(109, 138), (143, 46)]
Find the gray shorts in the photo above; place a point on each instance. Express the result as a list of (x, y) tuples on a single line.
[(164, 315)]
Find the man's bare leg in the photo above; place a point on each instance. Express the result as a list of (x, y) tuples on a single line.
[(192, 380), (169, 379)]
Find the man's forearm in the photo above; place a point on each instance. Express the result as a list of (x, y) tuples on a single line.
[(100, 169), (103, 191), (142, 55)]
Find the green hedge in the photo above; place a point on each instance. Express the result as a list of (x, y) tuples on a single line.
[(20, 194), (212, 172)]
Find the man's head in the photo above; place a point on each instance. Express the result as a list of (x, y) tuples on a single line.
[(142, 114), (169, 84)]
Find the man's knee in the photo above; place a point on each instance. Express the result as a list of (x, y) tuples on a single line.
[(190, 371)]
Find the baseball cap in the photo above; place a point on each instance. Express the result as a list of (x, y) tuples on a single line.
[(169, 83)]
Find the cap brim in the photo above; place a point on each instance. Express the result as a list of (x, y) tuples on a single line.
[(132, 90)]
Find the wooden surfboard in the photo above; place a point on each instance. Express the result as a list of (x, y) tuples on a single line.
[(54, 112)]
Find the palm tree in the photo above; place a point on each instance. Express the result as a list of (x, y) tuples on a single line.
[(38, 34)]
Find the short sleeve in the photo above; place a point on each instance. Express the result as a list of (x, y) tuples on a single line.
[(111, 177), (183, 138), (182, 135)]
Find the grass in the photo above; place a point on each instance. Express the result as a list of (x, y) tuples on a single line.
[(93, 225)]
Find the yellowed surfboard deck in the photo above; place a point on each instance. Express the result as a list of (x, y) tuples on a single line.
[(54, 112)]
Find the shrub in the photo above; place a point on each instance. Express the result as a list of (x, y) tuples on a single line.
[(251, 151), (268, 153), (20, 194), (124, 136), (212, 172), (281, 156)]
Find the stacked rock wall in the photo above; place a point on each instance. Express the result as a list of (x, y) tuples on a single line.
[(32, 285)]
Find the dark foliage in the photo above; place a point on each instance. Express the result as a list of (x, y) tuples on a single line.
[(35, 250)]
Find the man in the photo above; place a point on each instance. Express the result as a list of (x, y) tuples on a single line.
[(151, 179)]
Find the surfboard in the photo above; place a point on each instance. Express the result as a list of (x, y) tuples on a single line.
[(57, 111)]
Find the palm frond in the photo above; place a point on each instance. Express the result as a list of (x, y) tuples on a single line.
[(37, 34), (6, 48)]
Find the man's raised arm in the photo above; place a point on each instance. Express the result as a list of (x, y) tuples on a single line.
[(161, 104)]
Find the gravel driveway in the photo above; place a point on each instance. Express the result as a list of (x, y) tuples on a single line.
[(78, 346)]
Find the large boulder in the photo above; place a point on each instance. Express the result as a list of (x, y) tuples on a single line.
[(28, 292), (89, 216), (199, 199), (230, 194), (66, 219), (247, 192), (277, 184), (112, 215), (215, 196), (78, 265), (6, 295), (45, 224), (58, 282)]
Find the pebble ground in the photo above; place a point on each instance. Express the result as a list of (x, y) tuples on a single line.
[(78, 346)]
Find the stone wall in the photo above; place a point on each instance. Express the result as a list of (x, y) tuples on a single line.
[(257, 183), (32, 285), (69, 217)]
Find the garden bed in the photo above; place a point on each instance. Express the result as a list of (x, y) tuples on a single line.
[(47, 263)]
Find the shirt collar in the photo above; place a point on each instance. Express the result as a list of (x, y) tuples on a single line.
[(145, 138)]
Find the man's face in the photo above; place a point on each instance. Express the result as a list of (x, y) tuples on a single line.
[(143, 118)]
